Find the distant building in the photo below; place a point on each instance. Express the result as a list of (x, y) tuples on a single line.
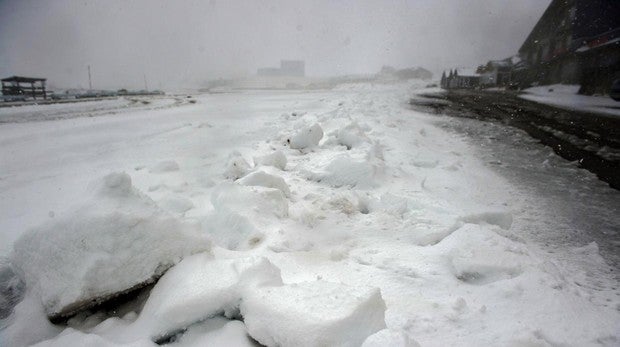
[(460, 79), (295, 68), (575, 42), (496, 73), (24, 87), (269, 71)]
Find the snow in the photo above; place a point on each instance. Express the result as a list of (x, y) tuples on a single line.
[(263, 179), (313, 314), (387, 337), (565, 96), (306, 137), (346, 171), (165, 166), (236, 167), (276, 159), (394, 231), (117, 233), (216, 332)]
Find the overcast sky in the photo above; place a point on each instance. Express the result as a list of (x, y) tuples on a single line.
[(184, 43)]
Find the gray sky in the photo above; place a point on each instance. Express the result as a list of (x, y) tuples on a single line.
[(183, 43)]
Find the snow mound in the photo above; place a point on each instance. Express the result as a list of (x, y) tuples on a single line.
[(276, 159), (263, 179), (306, 137), (352, 135), (392, 338), (117, 233), (344, 171), (165, 166), (295, 314), (236, 167), (199, 288)]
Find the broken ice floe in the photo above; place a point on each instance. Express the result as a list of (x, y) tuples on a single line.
[(199, 288), (117, 234)]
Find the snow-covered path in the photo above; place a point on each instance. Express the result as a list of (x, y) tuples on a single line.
[(387, 200)]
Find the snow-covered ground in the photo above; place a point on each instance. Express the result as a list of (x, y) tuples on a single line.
[(335, 217), (566, 96)]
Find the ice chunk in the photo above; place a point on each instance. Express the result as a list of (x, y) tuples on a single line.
[(276, 159), (236, 167), (313, 314), (263, 179), (165, 166), (306, 137), (118, 233), (199, 288), (392, 338)]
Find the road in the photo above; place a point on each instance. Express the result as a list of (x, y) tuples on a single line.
[(591, 139), (528, 144)]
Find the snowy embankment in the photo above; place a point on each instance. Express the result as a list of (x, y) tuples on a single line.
[(565, 96), (294, 219)]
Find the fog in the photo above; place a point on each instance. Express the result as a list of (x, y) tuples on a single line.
[(185, 43)]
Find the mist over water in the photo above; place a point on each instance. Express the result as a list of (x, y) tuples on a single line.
[(185, 43)]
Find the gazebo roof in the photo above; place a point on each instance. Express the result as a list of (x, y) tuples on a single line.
[(23, 79)]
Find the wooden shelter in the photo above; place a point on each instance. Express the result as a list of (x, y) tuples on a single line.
[(24, 86)]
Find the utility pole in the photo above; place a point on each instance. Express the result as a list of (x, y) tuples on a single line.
[(146, 86), (90, 83)]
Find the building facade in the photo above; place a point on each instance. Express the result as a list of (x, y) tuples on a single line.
[(460, 79), (574, 42)]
